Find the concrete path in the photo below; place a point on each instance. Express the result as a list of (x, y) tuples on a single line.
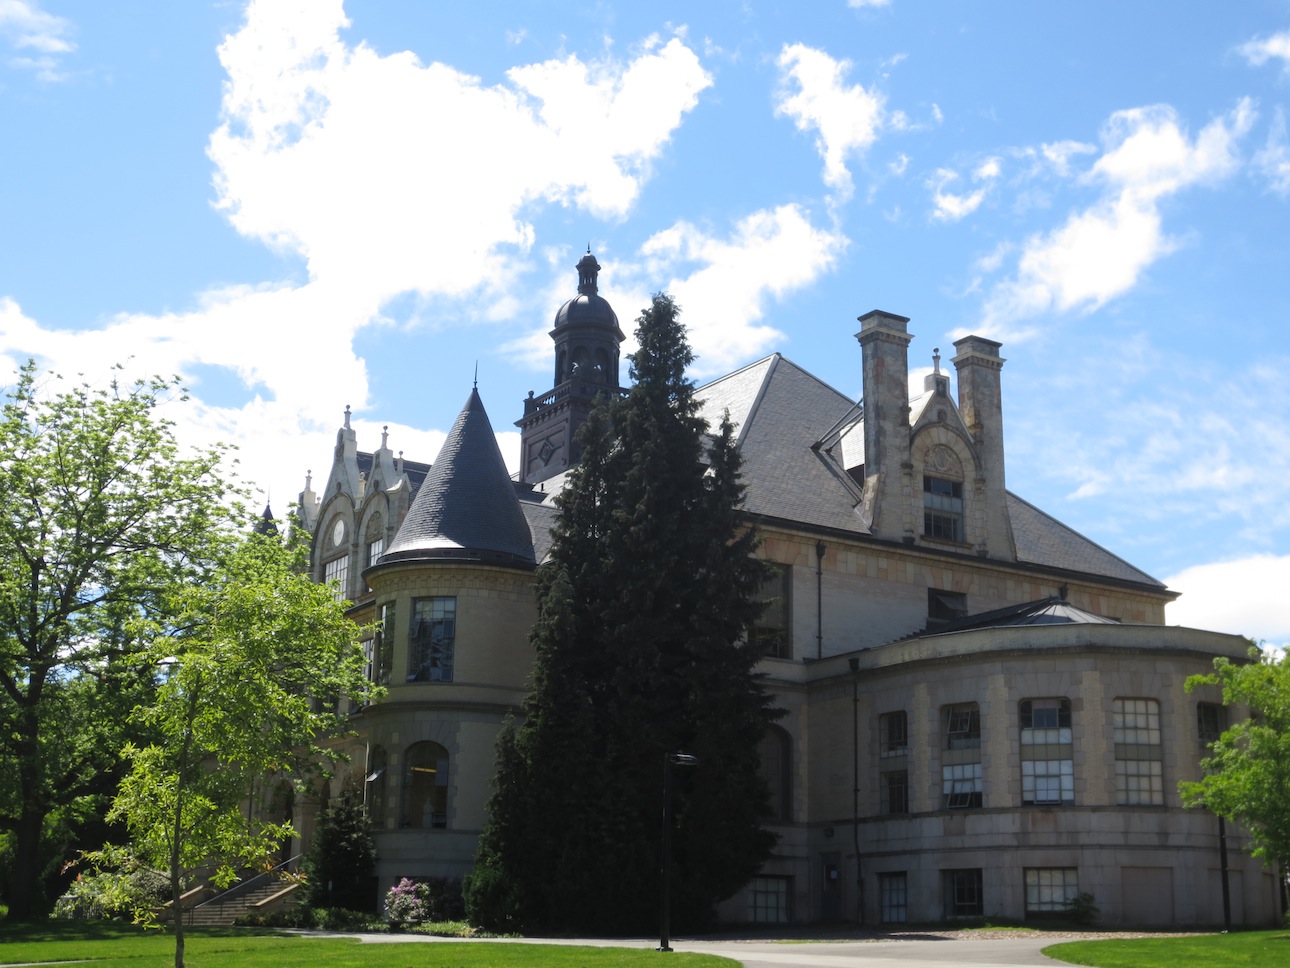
[(975, 953)]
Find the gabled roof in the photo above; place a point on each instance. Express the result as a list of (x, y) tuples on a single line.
[(466, 508), (780, 411)]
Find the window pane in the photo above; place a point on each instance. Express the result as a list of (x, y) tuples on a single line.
[(431, 639), (768, 900), (893, 898), (425, 786), (1051, 889)]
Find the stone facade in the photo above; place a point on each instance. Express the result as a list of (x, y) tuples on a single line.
[(984, 711)]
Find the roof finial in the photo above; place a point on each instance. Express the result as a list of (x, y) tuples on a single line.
[(936, 359), (588, 268), (347, 416), (477, 374), (309, 480), (385, 437)]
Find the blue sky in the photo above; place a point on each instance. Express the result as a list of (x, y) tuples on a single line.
[(304, 205)]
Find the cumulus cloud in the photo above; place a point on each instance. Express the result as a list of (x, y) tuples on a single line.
[(1244, 596), (846, 119), (949, 206), (1273, 159), (353, 162), (1100, 252), (39, 37), (725, 285), (1263, 49)]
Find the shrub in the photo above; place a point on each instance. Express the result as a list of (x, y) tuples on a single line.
[(1084, 910), (416, 902), (118, 888)]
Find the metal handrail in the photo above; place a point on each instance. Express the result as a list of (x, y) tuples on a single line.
[(242, 887)]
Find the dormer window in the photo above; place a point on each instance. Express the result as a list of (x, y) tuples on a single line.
[(942, 509)]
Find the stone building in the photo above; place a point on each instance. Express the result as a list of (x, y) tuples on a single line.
[(985, 710)]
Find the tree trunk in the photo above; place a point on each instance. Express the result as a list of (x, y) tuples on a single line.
[(27, 898)]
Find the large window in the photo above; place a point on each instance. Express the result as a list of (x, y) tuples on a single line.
[(943, 509), (425, 786), (772, 631), (962, 726), (768, 900), (337, 570), (432, 635), (1051, 890), (1047, 753), (775, 752), (961, 785), (893, 734), (382, 658), (963, 894), (1211, 722), (893, 762), (1139, 778), (893, 898)]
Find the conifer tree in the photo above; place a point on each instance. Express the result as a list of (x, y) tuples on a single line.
[(342, 856), (641, 649)]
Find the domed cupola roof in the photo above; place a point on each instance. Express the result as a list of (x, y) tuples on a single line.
[(588, 308), (466, 510)]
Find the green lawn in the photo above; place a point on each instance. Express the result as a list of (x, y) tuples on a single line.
[(1267, 949), (124, 946)]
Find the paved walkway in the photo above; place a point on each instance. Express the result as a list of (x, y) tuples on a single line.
[(990, 952)]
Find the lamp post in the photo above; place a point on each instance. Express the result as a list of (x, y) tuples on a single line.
[(665, 874)]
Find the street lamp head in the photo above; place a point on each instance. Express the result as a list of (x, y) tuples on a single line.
[(683, 759)]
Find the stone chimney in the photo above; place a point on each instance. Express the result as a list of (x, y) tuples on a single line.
[(884, 342), (980, 404)]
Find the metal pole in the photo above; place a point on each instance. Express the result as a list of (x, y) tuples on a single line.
[(819, 599), (1222, 856), (665, 874), (855, 784)]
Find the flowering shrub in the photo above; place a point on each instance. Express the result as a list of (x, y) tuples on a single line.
[(408, 903), (413, 902)]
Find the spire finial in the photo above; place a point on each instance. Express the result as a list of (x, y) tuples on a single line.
[(477, 374), (588, 268), (385, 436), (936, 359), (347, 416)]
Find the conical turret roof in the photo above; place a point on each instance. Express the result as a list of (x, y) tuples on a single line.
[(467, 508)]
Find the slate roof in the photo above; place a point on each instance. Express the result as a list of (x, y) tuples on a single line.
[(1046, 611), (467, 507), (779, 410)]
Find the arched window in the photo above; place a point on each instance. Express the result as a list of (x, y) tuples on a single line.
[(775, 752), (425, 786)]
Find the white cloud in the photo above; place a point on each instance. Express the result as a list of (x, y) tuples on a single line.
[(1101, 251), (724, 285), (951, 207), (1261, 50), (868, 3), (26, 27), (846, 119), (354, 161), (1273, 160), (1245, 596)]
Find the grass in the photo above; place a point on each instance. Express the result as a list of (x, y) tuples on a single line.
[(115, 945), (1267, 949)]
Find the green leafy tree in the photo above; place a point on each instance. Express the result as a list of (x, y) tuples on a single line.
[(342, 856), (1247, 774), (245, 657), (641, 649), (100, 514)]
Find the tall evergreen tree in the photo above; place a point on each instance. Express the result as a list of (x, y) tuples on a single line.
[(342, 857), (641, 650)]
